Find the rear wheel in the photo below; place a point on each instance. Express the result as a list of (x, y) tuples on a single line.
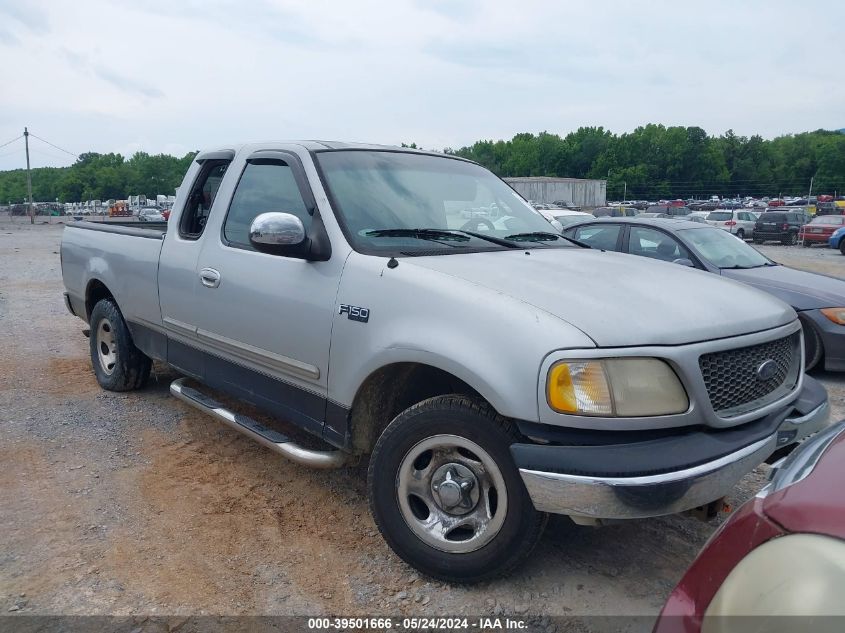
[(740, 234), (118, 364), (446, 495), (842, 246), (790, 240), (758, 241)]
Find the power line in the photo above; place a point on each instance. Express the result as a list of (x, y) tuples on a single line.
[(12, 141), (51, 145), (41, 152)]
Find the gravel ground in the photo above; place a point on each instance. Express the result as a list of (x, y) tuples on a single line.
[(132, 503)]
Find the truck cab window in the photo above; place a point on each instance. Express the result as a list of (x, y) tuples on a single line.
[(264, 186), (199, 202)]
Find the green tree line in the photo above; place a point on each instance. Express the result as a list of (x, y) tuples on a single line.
[(654, 161), (98, 177), (673, 162)]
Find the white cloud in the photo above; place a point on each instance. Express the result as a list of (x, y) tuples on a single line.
[(164, 76)]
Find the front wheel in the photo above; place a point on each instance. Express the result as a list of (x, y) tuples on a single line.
[(446, 495), (842, 246)]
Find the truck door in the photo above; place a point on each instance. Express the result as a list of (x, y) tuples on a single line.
[(177, 272), (266, 319)]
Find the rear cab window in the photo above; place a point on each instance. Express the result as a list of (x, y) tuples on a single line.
[(200, 200)]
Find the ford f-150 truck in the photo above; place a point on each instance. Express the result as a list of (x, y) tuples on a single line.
[(490, 370)]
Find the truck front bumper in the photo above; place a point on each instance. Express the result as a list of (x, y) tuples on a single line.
[(635, 481)]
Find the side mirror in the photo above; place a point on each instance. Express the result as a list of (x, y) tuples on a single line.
[(276, 233), (684, 262)]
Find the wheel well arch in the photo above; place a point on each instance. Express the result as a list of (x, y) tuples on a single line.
[(95, 292), (391, 389)]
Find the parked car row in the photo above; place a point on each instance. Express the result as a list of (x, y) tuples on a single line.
[(830, 203)]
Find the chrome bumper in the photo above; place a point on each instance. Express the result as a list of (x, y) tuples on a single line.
[(666, 493), (796, 429)]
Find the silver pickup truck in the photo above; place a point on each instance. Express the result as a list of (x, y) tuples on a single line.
[(490, 370)]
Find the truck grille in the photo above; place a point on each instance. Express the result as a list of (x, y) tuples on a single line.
[(731, 376)]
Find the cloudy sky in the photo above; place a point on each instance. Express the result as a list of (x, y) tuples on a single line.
[(176, 75)]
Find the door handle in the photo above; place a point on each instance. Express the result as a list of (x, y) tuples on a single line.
[(210, 278)]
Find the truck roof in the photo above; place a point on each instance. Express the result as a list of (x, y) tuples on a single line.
[(315, 145)]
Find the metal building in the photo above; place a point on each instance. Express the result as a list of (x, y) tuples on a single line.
[(577, 191)]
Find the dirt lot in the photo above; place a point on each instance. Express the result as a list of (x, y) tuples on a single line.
[(134, 504)]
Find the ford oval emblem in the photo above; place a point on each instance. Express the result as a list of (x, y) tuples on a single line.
[(767, 370)]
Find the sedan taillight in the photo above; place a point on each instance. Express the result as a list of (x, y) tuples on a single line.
[(730, 223)]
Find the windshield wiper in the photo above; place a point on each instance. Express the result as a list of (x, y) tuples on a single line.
[(543, 236), (431, 235), (436, 235), (490, 238), (534, 236), (423, 234)]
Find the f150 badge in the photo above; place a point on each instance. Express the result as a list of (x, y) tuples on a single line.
[(355, 313)]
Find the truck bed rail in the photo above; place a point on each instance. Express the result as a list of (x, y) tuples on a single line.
[(150, 230)]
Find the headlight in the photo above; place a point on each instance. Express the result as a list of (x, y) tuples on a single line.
[(618, 387), (837, 315)]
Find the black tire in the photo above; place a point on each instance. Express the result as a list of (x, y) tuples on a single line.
[(813, 348), (741, 234), (790, 240), (758, 241), (118, 364), (842, 246), (520, 525), (807, 244)]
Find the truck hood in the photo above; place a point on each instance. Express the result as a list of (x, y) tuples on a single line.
[(618, 300), (800, 289)]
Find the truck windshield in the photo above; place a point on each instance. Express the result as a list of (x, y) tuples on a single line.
[(396, 202)]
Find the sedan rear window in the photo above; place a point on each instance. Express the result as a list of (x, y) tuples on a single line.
[(720, 216), (829, 219), (772, 217)]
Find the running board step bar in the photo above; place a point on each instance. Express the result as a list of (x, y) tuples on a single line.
[(273, 440)]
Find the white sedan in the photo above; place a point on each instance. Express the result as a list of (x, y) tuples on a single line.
[(150, 214)]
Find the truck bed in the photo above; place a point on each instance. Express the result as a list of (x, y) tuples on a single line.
[(123, 256)]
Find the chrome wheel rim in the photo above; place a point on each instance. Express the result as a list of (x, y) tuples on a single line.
[(106, 346), (451, 493)]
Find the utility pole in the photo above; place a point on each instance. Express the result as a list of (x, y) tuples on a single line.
[(28, 178), (625, 195), (810, 193)]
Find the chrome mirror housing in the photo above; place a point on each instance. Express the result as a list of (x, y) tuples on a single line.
[(276, 230)]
